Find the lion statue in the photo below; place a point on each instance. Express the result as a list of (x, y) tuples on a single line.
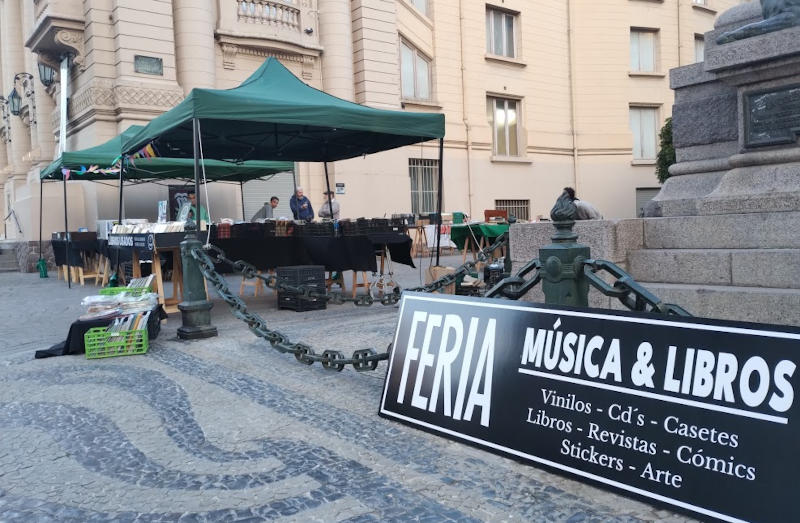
[(778, 14)]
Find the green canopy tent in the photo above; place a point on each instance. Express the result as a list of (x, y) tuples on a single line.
[(273, 115), (106, 154)]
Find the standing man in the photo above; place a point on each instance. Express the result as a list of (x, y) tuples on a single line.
[(330, 203), (301, 206), (266, 212)]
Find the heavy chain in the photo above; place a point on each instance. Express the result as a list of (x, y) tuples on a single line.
[(361, 360), (630, 293), (448, 279), (250, 271)]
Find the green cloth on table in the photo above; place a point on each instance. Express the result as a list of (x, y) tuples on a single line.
[(490, 231)]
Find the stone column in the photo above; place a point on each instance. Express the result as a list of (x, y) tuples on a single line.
[(42, 139), (336, 38), (195, 52), (14, 62)]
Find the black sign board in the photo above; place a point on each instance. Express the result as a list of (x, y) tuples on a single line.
[(772, 117), (143, 243), (699, 414)]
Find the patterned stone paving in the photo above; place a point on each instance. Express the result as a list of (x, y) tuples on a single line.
[(228, 430)]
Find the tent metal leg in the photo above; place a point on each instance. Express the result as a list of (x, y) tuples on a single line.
[(66, 235), (439, 203), (241, 193), (123, 162), (41, 205), (328, 185)]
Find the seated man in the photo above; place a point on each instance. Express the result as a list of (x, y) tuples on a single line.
[(584, 210), (267, 211)]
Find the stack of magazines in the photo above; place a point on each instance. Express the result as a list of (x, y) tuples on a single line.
[(129, 322)]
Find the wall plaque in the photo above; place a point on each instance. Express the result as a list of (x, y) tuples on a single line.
[(698, 414), (148, 65), (772, 117)]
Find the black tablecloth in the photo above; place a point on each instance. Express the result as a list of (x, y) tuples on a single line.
[(355, 253), (76, 247), (336, 254), (74, 342), (398, 243)]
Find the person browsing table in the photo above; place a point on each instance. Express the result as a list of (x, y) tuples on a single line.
[(301, 206), (267, 211), (330, 205)]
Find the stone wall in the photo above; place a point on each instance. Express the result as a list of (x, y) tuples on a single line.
[(608, 240), (28, 256)]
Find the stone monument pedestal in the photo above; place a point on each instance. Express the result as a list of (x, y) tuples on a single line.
[(722, 238), (736, 124)]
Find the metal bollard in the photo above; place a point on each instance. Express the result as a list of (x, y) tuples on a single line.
[(563, 281), (195, 307)]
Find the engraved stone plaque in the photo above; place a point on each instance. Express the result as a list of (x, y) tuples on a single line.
[(148, 65), (772, 117)]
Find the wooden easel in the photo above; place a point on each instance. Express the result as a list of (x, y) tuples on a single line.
[(170, 304), (420, 244)]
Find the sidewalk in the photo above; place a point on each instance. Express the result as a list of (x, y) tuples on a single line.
[(228, 429)]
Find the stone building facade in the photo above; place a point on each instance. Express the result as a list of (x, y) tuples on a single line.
[(538, 94)]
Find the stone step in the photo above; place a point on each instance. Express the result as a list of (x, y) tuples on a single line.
[(774, 268), (776, 230), (752, 304)]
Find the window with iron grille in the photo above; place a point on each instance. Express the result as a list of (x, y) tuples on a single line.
[(424, 183), (521, 209)]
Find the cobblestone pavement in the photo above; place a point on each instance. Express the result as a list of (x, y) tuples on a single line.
[(227, 429)]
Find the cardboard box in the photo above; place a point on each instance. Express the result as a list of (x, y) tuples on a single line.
[(436, 272)]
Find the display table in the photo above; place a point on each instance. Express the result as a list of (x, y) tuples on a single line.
[(444, 241), (357, 253), (80, 243), (148, 247), (473, 237), (74, 342)]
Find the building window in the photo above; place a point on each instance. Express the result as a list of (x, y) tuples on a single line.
[(701, 2), (644, 126), (521, 209), (643, 196), (415, 73), (643, 50), (421, 5), (699, 48), (500, 33), (424, 176), (503, 116)]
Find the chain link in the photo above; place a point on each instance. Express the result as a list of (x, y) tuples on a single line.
[(625, 288), (629, 292), (448, 279), (361, 360)]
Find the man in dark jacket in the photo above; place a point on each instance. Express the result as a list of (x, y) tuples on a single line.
[(301, 206)]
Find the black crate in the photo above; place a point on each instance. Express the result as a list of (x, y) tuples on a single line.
[(297, 303), (301, 275)]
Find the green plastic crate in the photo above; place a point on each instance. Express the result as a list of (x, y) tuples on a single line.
[(100, 344), (133, 291)]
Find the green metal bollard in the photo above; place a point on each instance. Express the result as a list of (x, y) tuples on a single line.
[(42, 266), (195, 307), (563, 281)]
